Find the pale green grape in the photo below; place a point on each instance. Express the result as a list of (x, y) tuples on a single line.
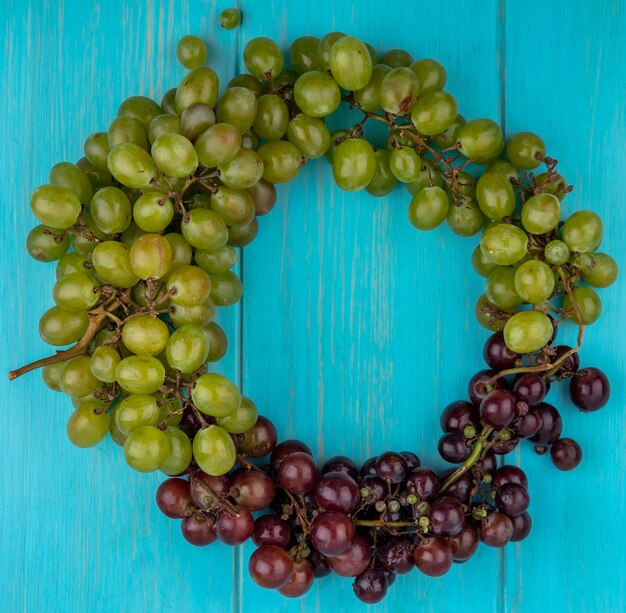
[(136, 411), (218, 343), (226, 288), (465, 218), (481, 140), (150, 256), (240, 236), (55, 206), (153, 211), (316, 94), (51, 374), (556, 252), (504, 244), (589, 305), (218, 144), (46, 244), (582, 232), (204, 230), (281, 161), (428, 208), (76, 292), (500, 288), (140, 108), (322, 59), (146, 449), (214, 450), (71, 176), (127, 130), (397, 58), (140, 374), (111, 210), (526, 150), (481, 264), (383, 180), (354, 164), (527, 331), (350, 63), (399, 91), (182, 253), (174, 155), (309, 134), (200, 314), (198, 85), (603, 271), (230, 18), (215, 395), (97, 150), (191, 51), (180, 453), (434, 113), (145, 335), (541, 213), (76, 378), (60, 327), (237, 107), (88, 425), (430, 74), (70, 263), (243, 171), (195, 120), (495, 196), (131, 165), (303, 52), (187, 348), (103, 363), (189, 285), (112, 263), (405, 164), (217, 261), (242, 419), (98, 177), (272, 117), (368, 97), (263, 58), (534, 281), (234, 206)]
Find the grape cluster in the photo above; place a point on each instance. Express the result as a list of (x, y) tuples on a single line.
[(145, 230)]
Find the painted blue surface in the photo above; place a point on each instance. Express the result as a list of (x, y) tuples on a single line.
[(356, 330)]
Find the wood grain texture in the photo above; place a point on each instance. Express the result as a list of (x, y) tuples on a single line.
[(356, 330)]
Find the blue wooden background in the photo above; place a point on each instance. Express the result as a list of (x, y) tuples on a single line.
[(355, 330)]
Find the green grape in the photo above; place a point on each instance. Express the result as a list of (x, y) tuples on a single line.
[(495, 196), (204, 230), (200, 314), (60, 327), (397, 58), (103, 363), (350, 63), (150, 256), (582, 232), (434, 113), (281, 161), (55, 206), (182, 252), (180, 453), (504, 168), (198, 85), (187, 349), (174, 155), (481, 140), (449, 137), (195, 120), (430, 74), (214, 450), (527, 331), (249, 82), (263, 58), (534, 281), (217, 261), (112, 263), (428, 208), (119, 438), (230, 19), (481, 264), (76, 378), (140, 374), (428, 177), (146, 449), (218, 343), (405, 164), (111, 210), (243, 171), (368, 97), (131, 165), (71, 176), (218, 145), (76, 292), (215, 395), (272, 117), (354, 164), (309, 134), (240, 236), (241, 420), (97, 150), (589, 305), (525, 150), (399, 91), (383, 180), (46, 244), (316, 94), (500, 288), (191, 51), (51, 374), (226, 288), (140, 108), (189, 285), (136, 411), (322, 58), (556, 252), (234, 206), (168, 102), (541, 213), (504, 244), (164, 124), (552, 183), (303, 53), (489, 316), (98, 177), (145, 335), (238, 107), (465, 218), (153, 211), (70, 263), (127, 130), (88, 425), (603, 271)]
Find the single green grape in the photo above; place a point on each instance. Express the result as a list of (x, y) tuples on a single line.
[(603, 271), (588, 302), (240, 236), (189, 285), (230, 19), (263, 58), (127, 130), (397, 58), (153, 211), (76, 292), (59, 327), (500, 288), (145, 335), (215, 395), (428, 208), (150, 256), (428, 177), (534, 281), (98, 177), (322, 58), (136, 411), (140, 108), (217, 261), (200, 314), (354, 164), (368, 97), (88, 425), (218, 343), (214, 450), (187, 348), (242, 419), (527, 331), (405, 164), (504, 244), (449, 137), (111, 260), (131, 165), (383, 180), (434, 113), (234, 206), (430, 74), (465, 218), (399, 91), (303, 53), (191, 51), (71, 176), (556, 252), (582, 232), (481, 140), (272, 117), (180, 454), (309, 134), (103, 363), (495, 196), (195, 120), (76, 378), (111, 210), (226, 288), (481, 264), (46, 244), (316, 94), (70, 263), (140, 374), (146, 449), (237, 107), (198, 85), (525, 150), (204, 229), (97, 150), (218, 145), (51, 374), (55, 206), (281, 161), (552, 183), (350, 63), (541, 213), (174, 155), (503, 168), (243, 171)]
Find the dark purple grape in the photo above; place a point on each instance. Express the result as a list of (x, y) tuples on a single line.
[(369, 467), (500, 447), (461, 489), (260, 439), (286, 448), (235, 529), (397, 555), (173, 497), (521, 527), (354, 560), (509, 474), (457, 415), (433, 556), (391, 467), (477, 388), (320, 564), (486, 466), (377, 488), (341, 464), (465, 543), (252, 489), (332, 533), (270, 567), (497, 409), (423, 482), (512, 499), (297, 473), (453, 448), (530, 388), (571, 364), (337, 492), (198, 530), (566, 454), (389, 575), (496, 529), (589, 389), (300, 581), (189, 423), (496, 353), (412, 461), (206, 489), (447, 516), (371, 586), (551, 424), (271, 530), (528, 425)]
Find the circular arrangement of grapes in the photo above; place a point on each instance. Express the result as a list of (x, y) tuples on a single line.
[(145, 230)]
